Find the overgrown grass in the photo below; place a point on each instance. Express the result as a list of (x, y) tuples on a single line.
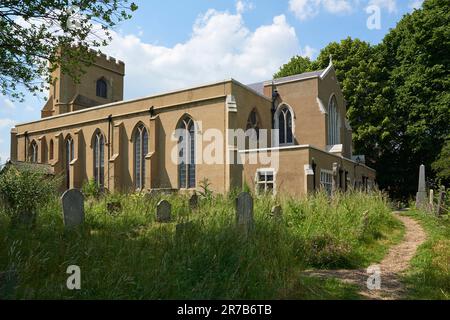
[(127, 255), (429, 275)]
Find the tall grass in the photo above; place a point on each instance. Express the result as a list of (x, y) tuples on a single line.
[(127, 255)]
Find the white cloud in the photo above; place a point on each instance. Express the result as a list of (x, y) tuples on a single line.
[(242, 6), (306, 9), (337, 6), (220, 47), (8, 104), (6, 123), (309, 52), (415, 4), (389, 5)]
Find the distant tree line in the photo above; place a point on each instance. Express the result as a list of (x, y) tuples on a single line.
[(398, 96)]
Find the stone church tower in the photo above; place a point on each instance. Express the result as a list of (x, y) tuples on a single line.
[(101, 84)]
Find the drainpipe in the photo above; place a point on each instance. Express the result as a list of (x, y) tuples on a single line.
[(314, 167), (110, 119), (275, 96), (26, 145)]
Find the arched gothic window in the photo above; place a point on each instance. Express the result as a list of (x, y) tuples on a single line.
[(186, 153), (99, 159), (140, 152), (70, 156), (253, 124), (284, 123), (34, 152), (333, 123), (52, 150), (102, 88)]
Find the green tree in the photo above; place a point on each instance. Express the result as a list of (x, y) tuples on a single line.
[(298, 64), (35, 36), (442, 165), (398, 94)]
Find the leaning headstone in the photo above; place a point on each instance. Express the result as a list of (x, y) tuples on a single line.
[(277, 212), (193, 202), (73, 208), (421, 197), (244, 212), (431, 203), (163, 211), (441, 202), (8, 284)]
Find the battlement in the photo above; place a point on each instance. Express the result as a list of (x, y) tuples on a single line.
[(109, 62)]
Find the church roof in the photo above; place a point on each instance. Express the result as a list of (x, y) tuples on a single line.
[(259, 86)]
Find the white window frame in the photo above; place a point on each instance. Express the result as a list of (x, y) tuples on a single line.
[(276, 139), (258, 182), (326, 180), (334, 122)]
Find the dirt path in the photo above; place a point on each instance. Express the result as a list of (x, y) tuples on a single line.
[(394, 264)]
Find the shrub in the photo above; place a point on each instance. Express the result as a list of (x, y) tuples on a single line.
[(91, 189), (24, 191)]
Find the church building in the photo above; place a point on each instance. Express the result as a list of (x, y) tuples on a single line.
[(296, 135)]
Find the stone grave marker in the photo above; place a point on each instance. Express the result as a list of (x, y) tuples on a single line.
[(163, 211), (244, 212), (193, 202), (277, 212), (73, 208), (441, 202), (421, 197)]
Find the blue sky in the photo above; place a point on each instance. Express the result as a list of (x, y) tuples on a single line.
[(174, 44)]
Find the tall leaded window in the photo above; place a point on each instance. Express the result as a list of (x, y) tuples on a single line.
[(140, 152), (34, 152), (284, 123), (253, 125), (99, 159), (70, 156), (333, 123), (186, 153), (102, 88), (52, 150)]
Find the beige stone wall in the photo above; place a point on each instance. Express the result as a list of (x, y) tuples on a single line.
[(292, 176), (308, 119), (206, 106), (220, 106)]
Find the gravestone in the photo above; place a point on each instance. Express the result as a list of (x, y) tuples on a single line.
[(431, 204), (8, 284), (193, 202), (244, 212), (277, 212), (441, 202), (163, 211), (421, 197), (73, 208)]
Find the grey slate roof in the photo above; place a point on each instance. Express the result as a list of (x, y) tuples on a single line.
[(259, 86), (20, 165)]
